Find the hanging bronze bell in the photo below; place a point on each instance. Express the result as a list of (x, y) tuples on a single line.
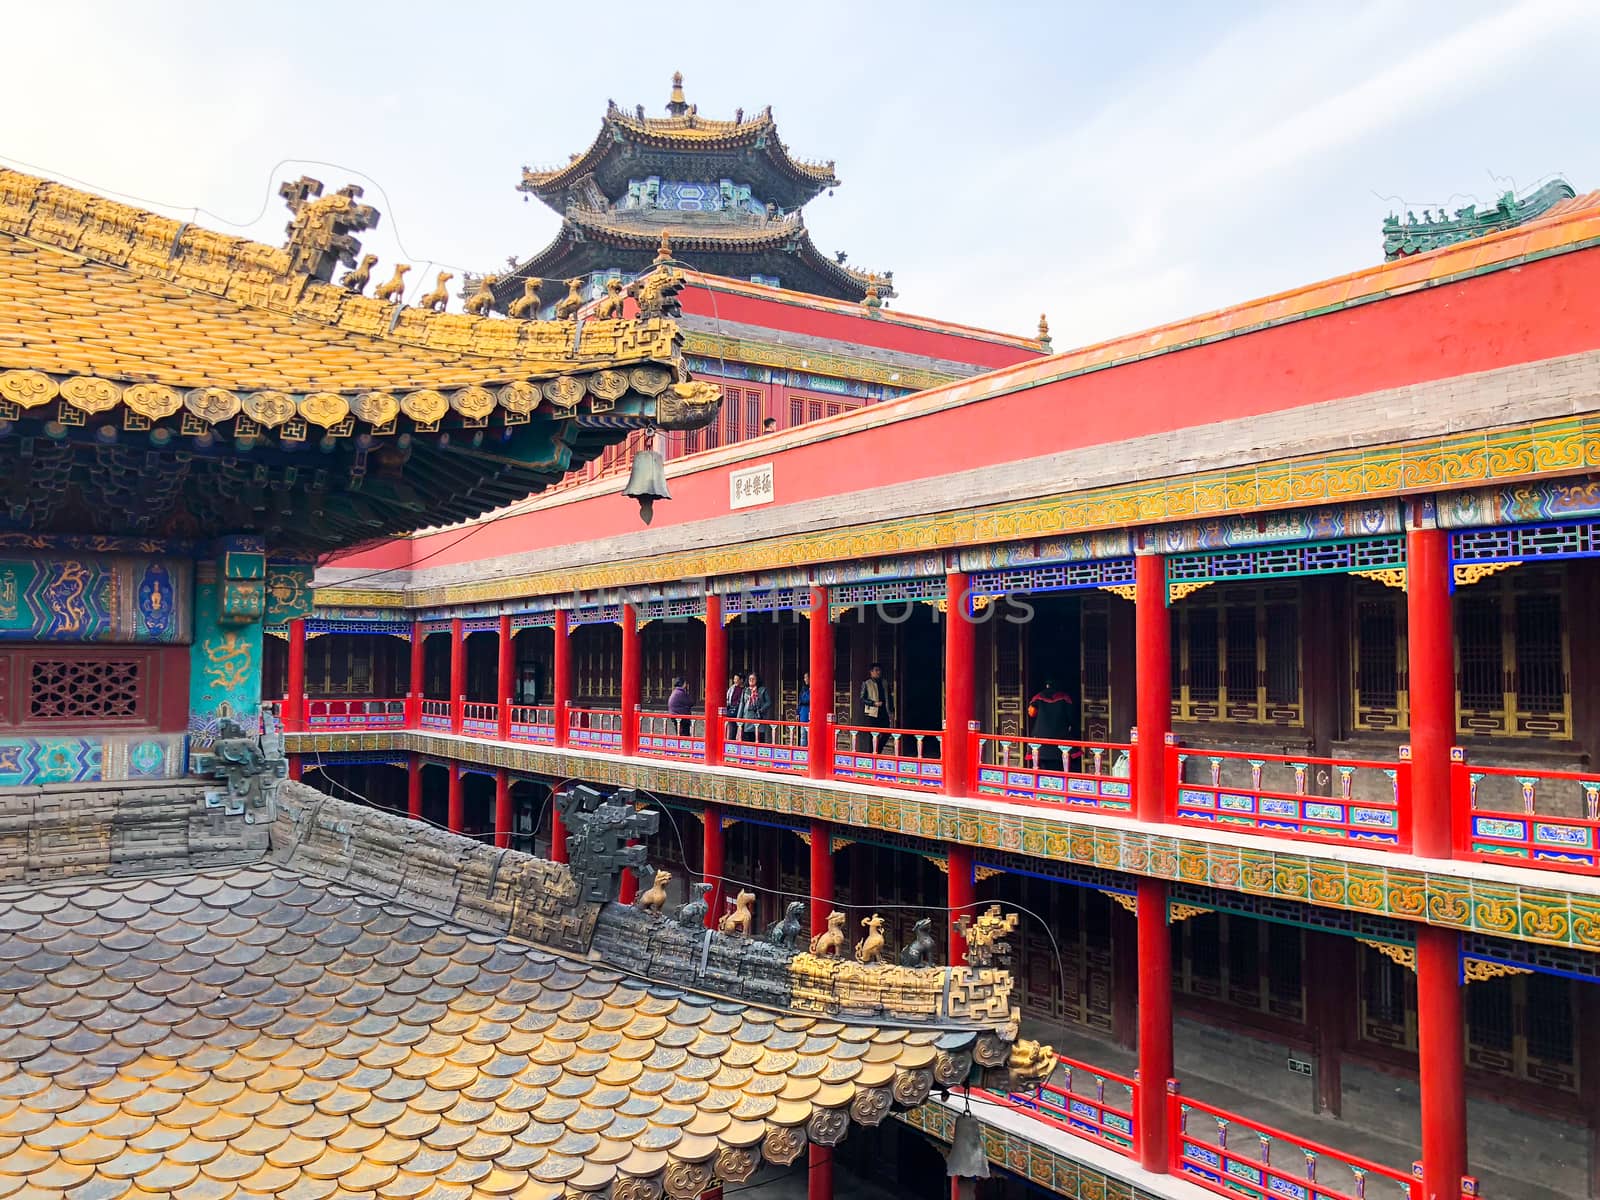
[(647, 482), (966, 1159)]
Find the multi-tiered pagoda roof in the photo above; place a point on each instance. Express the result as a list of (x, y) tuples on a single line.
[(728, 194)]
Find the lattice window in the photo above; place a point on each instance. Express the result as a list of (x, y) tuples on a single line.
[(1388, 1008), (1250, 964), (885, 591), (86, 689), (1057, 577), (1382, 553), (1379, 694), (1094, 642), (1513, 657), (1236, 656), (1524, 1027)]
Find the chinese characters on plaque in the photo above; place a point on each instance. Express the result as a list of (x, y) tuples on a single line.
[(750, 487)]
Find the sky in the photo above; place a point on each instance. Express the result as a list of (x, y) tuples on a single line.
[(1113, 166)]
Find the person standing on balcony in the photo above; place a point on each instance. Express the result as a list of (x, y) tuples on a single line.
[(731, 699), (877, 704), (802, 712), (1050, 717), (755, 705), (680, 705)]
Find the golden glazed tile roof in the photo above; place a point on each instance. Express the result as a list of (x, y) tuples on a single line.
[(255, 1030)]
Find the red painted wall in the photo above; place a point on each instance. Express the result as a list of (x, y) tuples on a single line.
[(859, 330), (1541, 310)]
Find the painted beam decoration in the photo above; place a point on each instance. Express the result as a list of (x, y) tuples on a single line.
[(85, 597)]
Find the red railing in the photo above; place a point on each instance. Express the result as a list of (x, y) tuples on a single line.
[(479, 719), (1293, 810), (594, 728), (436, 714), (534, 723), (1553, 822), (1269, 1164), (668, 735), (1073, 1100), (345, 713), (778, 746), (1082, 775), (907, 757)]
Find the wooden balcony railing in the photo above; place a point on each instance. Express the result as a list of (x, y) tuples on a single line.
[(479, 719), (355, 714), (535, 723), (436, 714), (895, 757), (1525, 817), (669, 735), (594, 729), (1096, 776), (778, 746), (1074, 1101)]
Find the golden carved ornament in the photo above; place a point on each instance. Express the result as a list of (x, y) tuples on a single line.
[(991, 1051), (1479, 970), (564, 392), (951, 1069), (1177, 591), (28, 389), (686, 1180), (152, 400), (269, 408), (608, 384), (870, 1106), (474, 403), (782, 1145), (1469, 573), (1182, 912), (980, 873), (212, 404), (688, 405), (629, 1187), (1031, 1063), (652, 381), (828, 1126), (1406, 956), (376, 408), (911, 1088), (1392, 577), (520, 397), (736, 1164), (424, 407), (1125, 591), (89, 394), (324, 409)]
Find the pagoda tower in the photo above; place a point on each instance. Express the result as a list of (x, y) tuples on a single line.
[(722, 197)]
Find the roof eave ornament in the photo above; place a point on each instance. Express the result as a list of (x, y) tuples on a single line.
[(677, 106), (321, 234)]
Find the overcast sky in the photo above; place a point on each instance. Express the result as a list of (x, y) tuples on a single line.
[(1113, 166)]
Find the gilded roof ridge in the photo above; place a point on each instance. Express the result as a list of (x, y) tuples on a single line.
[(253, 274)]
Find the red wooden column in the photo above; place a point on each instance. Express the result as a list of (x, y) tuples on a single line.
[(960, 700), (1152, 686), (561, 685), (716, 685), (1155, 1025), (1153, 709), (819, 1174), (456, 810), (1431, 663), (294, 690), (418, 669), (458, 674), (1440, 1021), (632, 685), (712, 863), (821, 875), (558, 833), (502, 809), (819, 753), (628, 890), (963, 898), (296, 767), (414, 787), (505, 668)]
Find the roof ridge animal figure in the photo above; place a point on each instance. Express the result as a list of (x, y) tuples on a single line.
[(482, 300), (395, 289), (738, 921), (693, 914), (785, 931), (870, 948), (610, 306), (569, 304), (436, 300), (656, 896), (526, 306), (657, 293), (357, 278), (830, 942), (920, 951)]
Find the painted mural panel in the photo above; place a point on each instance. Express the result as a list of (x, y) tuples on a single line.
[(225, 663), (30, 761), (94, 598)]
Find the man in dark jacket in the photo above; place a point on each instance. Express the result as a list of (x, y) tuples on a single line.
[(755, 704), (1050, 718), (877, 704)]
